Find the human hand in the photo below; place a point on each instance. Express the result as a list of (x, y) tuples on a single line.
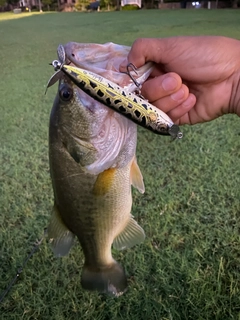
[(209, 67)]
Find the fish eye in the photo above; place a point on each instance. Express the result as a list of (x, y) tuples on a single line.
[(66, 93)]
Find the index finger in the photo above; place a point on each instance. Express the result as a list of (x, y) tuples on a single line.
[(144, 50)]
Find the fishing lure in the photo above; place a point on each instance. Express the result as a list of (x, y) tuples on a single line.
[(117, 98)]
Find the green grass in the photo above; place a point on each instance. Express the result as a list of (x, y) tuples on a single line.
[(189, 265)]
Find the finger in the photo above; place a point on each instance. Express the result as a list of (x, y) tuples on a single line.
[(170, 102), (144, 50), (159, 87), (180, 114)]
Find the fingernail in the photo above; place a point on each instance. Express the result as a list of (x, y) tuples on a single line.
[(178, 95), (169, 84), (188, 102)]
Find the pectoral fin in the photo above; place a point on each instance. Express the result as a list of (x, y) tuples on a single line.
[(136, 177), (61, 238), (131, 235), (104, 182)]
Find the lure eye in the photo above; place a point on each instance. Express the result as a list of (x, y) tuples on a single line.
[(66, 93)]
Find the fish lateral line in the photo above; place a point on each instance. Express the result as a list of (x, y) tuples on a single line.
[(117, 98)]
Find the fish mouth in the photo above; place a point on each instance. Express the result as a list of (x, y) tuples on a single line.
[(105, 60), (80, 56)]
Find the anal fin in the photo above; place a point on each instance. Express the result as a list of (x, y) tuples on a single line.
[(131, 235), (60, 237)]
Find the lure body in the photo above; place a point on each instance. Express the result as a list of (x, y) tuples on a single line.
[(118, 99)]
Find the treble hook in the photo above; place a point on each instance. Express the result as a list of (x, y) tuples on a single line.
[(132, 66)]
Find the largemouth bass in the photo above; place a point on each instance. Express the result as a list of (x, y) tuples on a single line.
[(93, 165)]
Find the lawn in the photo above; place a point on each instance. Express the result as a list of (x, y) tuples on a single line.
[(189, 265)]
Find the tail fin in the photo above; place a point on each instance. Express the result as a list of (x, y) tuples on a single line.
[(111, 280)]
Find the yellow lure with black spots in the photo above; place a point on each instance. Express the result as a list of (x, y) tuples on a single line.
[(117, 98)]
